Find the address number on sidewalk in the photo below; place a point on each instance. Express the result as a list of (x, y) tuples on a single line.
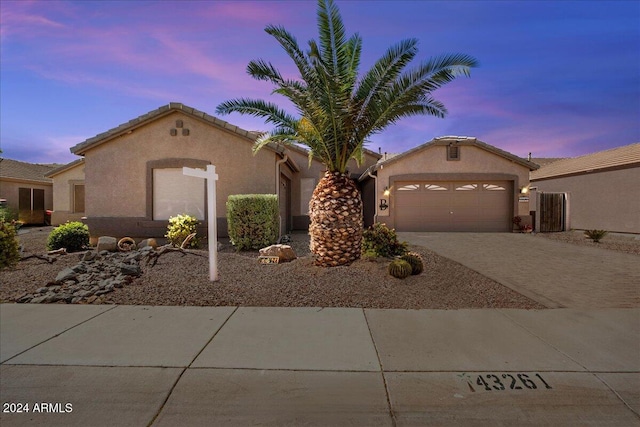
[(505, 381)]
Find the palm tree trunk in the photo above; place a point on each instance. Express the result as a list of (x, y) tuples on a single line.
[(336, 225)]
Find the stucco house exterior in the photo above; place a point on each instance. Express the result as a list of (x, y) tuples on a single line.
[(600, 190), (129, 179), (451, 183), (132, 176), (26, 190), (68, 192)]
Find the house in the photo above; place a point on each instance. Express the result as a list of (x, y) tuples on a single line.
[(129, 180), (451, 183), (595, 191), (68, 192), (26, 190), (132, 181)]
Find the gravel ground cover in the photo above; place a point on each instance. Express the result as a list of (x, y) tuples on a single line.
[(179, 279), (626, 243)]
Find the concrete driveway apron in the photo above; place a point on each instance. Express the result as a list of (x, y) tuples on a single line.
[(555, 274)]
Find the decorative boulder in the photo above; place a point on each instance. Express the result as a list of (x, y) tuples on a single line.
[(284, 252), (148, 242), (107, 243)]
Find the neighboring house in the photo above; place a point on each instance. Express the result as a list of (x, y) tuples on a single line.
[(452, 183), (26, 190), (68, 192), (600, 190), (132, 176)]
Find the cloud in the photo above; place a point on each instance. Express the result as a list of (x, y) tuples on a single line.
[(19, 20)]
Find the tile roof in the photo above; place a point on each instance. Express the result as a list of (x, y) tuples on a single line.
[(82, 147), (615, 158), (543, 161), (62, 168), (23, 171)]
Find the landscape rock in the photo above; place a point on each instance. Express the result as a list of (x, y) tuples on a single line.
[(107, 243), (130, 270), (96, 274), (89, 256), (148, 243), (66, 274), (284, 252)]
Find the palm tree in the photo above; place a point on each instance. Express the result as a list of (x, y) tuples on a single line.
[(338, 111)]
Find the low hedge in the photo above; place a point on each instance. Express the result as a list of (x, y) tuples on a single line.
[(73, 236), (253, 220)]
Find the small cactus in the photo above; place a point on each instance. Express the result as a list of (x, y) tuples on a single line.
[(400, 269), (415, 261), (595, 235)]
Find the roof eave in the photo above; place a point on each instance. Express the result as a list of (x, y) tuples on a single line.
[(64, 168), (130, 126)]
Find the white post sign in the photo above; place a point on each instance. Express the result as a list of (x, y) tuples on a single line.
[(211, 177)]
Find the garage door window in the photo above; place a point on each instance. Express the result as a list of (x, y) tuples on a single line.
[(409, 187), (435, 187), (466, 187), (493, 187)]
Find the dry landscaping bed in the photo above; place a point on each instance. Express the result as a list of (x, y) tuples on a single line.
[(179, 279), (626, 243)]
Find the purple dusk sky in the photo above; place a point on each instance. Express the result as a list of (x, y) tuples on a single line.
[(556, 78)]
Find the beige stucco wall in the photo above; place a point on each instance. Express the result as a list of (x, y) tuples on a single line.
[(63, 183), (117, 171), (9, 190), (600, 200), (475, 163)]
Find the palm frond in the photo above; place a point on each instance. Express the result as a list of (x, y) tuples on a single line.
[(257, 108), (337, 111)]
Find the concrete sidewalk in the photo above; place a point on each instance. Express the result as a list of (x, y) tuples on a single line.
[(167, 366), (555, 274)]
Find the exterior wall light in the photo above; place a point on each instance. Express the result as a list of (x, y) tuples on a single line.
[(386, 192), (383, 205), (524, 190)]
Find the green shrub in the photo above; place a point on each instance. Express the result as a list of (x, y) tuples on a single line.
[(383, 241), (7, 214), (179, 228), (73, 236), (595, 235), (399, 268), (253, 220), (415, 261), (9, 249)]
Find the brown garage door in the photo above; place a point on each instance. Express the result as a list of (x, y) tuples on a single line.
[(453, 206)]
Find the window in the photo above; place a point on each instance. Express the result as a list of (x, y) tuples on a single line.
[(78, 198), (409, 187), (453, 152), (493, 187), (466, 187), (175, 193), (31, 205), (435, 187)]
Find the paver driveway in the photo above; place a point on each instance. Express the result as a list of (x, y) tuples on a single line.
[(553, 273)]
